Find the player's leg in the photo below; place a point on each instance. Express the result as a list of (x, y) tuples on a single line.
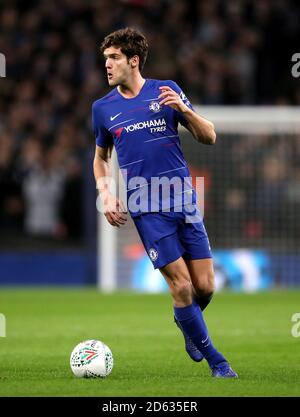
[(182, 294), (202, 277), (190, 316), (179, 281), (158, 233), (198, 255)]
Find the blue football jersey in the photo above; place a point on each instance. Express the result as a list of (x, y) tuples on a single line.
[(145, 136)]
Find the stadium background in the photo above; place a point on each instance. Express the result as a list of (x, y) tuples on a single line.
[(221, 53)]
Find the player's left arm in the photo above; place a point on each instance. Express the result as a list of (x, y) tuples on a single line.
[(202, 129)]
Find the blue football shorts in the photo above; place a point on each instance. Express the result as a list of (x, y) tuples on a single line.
[(167, 236)]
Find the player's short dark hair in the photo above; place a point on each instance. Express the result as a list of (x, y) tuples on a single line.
[(131, 41)]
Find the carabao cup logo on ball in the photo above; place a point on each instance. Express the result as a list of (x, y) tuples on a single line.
[(91, 359), (86, 355)]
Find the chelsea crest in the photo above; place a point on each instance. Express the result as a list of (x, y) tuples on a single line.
[(154, 106)]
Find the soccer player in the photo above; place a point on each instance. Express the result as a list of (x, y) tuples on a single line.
[(140, 118)]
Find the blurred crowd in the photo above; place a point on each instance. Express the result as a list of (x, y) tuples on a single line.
[(219, 52)]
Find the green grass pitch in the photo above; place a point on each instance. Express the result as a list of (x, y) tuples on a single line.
[(43, 325)]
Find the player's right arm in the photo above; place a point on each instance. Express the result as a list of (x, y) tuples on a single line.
[(114, 210)]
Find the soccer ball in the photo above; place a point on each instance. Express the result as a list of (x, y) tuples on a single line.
[(91, 359)]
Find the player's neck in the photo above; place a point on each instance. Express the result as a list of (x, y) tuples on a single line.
[(132, 87)]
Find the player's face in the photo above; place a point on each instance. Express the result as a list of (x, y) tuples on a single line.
[(117, 66)]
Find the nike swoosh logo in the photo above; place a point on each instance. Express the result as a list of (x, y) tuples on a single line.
[(114, 117), (204, 340)]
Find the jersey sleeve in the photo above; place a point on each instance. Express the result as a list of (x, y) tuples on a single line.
[(180, 117), (102, 135)]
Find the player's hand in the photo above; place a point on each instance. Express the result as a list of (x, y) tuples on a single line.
[(114, 210), (169, 97)]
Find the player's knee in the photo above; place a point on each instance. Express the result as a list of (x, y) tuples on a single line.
[(206, 284), (183, 290), (210, 286)]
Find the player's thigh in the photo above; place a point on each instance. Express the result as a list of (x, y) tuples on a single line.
[(201, 272)]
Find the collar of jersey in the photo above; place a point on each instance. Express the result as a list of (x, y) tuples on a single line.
[(138, 95)]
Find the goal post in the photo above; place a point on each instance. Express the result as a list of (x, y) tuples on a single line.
[(119, 249), (253, 119)]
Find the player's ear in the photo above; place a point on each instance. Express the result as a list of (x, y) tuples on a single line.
[(134, 61)]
